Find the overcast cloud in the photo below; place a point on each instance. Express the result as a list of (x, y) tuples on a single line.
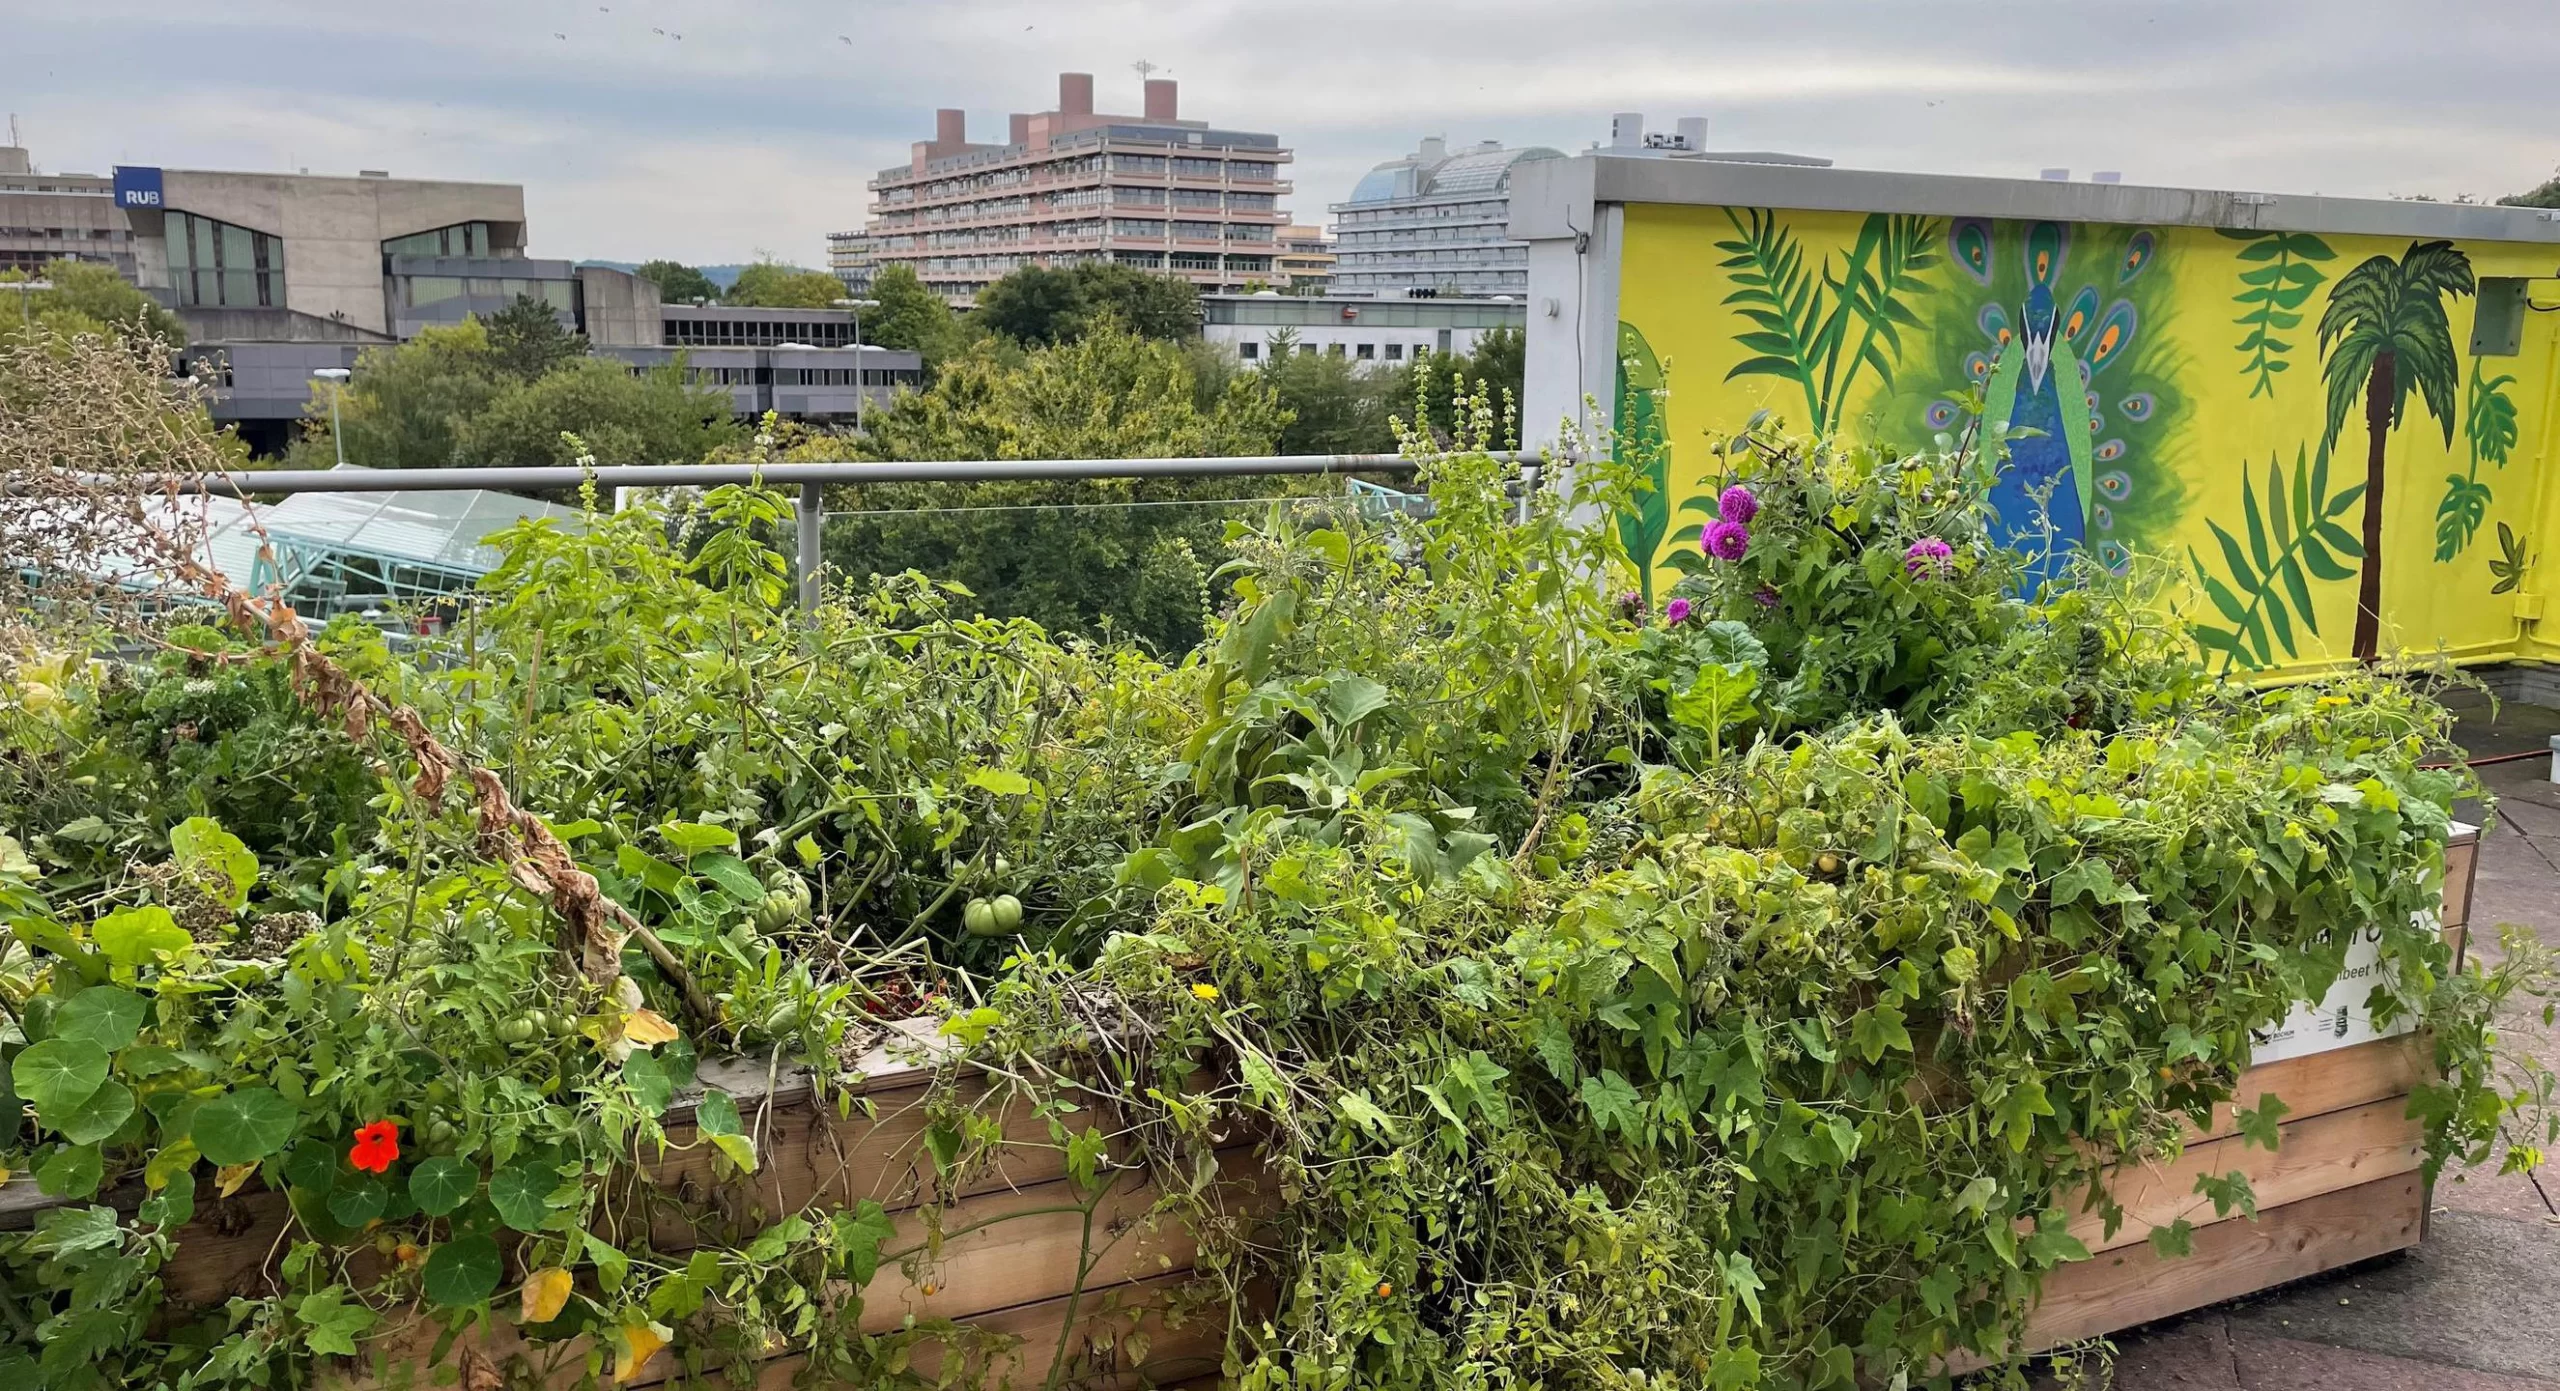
[(755, 130)]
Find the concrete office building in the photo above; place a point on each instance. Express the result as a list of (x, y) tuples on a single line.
[(1154, 192), (1304, 263), (1372, 333), (58, 217), (1434, 221), (850, 258)]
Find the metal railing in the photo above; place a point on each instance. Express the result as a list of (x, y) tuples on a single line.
[(810, 479)]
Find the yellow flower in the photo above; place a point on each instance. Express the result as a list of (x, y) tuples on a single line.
[(2333, 702), (1204, 992)]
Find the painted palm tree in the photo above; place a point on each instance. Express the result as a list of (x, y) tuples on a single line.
[(2385, 332)]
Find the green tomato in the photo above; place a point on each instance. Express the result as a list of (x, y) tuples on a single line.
[(1008, 912), (540, 1021), (441, 1132), (563, 1024), (980, 918), (1003, 866), (515, 1030)]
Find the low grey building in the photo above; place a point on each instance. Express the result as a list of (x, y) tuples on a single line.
[(1370, 332)]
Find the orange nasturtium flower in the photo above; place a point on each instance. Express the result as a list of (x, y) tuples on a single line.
[(376, 1146)]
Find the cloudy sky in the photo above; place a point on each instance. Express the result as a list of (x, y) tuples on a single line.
[(711, 131)]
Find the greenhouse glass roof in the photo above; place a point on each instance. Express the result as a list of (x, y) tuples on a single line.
[(327, 553)]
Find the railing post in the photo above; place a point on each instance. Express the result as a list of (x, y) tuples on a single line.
[(812, 511)]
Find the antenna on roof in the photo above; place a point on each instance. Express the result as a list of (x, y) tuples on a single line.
[(13, 128), (1143, 69)]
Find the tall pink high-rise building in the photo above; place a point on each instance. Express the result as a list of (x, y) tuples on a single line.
[(1153, 192)]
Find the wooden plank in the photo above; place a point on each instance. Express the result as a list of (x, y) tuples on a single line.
[(2461, 866), (2135, 1284), (1181, 1344), (2341, 1149), (2318, 1083)]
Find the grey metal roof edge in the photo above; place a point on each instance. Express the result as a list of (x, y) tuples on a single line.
[(1603, 178)]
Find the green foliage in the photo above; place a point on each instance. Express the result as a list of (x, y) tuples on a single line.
[(2489, 424), (1334, 407), (2285, 271), (678, 283), (910, 317), (528, 341), (2295, 537), (87, 297), (2512, 563), (1737, 1003), (622, 417), (1826, 586), (1803, 317), (773, 285), (1133, 555), (1643, 447), (2543, 195), (1036, 306), (459, 396)]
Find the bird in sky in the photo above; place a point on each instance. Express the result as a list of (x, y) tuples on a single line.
[(844, 38)]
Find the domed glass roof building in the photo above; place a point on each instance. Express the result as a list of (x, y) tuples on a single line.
[(1434, 221)]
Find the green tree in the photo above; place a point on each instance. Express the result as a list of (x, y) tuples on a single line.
[(1034, 306), (1499, 360), (910, 317), (677, 282), (1037, 305), (1334, 408), (87, 298), (1129, 554), (1152, 305), (405, 406), (773, 285), (527, 339), (2543, 195), (654, 417), (2383, 333)]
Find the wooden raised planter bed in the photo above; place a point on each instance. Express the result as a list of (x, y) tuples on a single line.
[(1115, 1304)]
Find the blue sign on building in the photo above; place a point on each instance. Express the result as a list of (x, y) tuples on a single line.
[(137, 187)]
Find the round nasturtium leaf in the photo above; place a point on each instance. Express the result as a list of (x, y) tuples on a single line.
[(358, 1201), (106, 1015), (58, 1074), (245, 1126), (443, 1184), (101, 1115), (462, 1271), (521, 1192)]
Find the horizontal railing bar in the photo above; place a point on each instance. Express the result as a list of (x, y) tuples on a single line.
[(780, 475)]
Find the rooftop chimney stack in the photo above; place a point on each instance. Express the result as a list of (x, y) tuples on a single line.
[(1017, 129), (951, 127), (1075, 94), (1161, 101), (1693, 133), (1433, 148), (1626, 130)]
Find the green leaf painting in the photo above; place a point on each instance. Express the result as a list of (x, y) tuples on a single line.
[(2284, 272), (2512, 561), (2489, 424), (1642, 444), (1803, 319), (2292, 538)]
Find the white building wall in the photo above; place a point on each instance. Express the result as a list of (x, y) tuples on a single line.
[(1350, 338)]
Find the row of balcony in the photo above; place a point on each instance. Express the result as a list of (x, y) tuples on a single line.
[(1273, 217)]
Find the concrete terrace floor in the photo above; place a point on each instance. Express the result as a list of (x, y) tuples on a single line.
[(2476, 1307)]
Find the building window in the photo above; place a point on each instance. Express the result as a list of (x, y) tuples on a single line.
[(1368, 351), (1395, 352), (460, 239), (214, 264), (1333, 349), (1248, 351)]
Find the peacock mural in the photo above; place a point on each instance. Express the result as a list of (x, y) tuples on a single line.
[(2139, 395), (2056, 334)]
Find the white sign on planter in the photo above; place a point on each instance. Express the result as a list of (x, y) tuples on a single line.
[(2341, 1019)]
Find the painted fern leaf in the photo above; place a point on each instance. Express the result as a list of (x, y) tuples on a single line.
[(1643, 444), (2291, 538), (2284, 271), (1786, 303)]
